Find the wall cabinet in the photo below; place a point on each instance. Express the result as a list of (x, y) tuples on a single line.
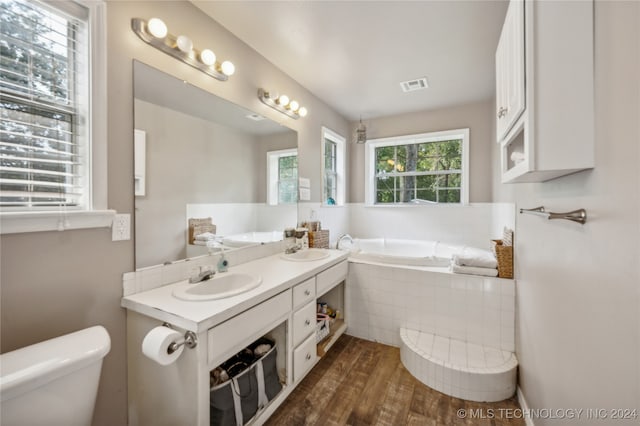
[(545, 90), (510, 101)]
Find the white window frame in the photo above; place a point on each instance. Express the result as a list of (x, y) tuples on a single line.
[(273, 173), (341, 145), (95, 214), (370, 161)]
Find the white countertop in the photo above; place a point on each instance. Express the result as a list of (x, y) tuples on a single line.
[(277, 275)]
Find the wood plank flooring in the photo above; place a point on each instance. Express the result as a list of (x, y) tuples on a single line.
[(364, 383)]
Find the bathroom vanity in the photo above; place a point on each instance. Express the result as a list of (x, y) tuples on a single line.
[(282, 308)]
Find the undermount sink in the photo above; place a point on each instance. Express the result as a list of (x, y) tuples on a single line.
[(222, 285), (305, 255)]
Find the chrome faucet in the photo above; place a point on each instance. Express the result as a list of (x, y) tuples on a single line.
[(205, 275), (344, 237)]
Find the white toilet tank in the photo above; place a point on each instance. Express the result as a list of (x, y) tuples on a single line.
[(54, 382)]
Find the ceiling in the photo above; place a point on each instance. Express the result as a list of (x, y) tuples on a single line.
[(354, 54)]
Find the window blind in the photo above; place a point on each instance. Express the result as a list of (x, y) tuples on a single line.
[(44, 97)]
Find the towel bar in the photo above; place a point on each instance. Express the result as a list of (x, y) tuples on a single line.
[(579, 215)]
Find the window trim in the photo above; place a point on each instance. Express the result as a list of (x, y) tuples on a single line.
[(341, 144), (272, 174), (370, 151), (96, 215)]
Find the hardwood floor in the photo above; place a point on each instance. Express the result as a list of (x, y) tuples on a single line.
[(364, 383)]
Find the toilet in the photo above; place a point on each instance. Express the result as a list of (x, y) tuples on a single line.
[(54, 382)]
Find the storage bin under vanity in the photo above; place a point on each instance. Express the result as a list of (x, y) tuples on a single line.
[(252, 384)]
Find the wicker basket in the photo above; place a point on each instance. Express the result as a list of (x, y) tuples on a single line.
[(319, 239), (200, 226), (504, 255)]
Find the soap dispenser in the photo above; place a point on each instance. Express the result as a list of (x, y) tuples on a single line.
[(223, 264)]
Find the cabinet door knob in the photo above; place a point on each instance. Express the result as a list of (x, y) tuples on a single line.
[(307, 292), (307, 322), (308, 357)]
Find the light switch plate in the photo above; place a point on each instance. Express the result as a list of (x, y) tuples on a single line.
[(121, 227)]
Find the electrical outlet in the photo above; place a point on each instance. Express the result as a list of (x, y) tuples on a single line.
[(121, 227)]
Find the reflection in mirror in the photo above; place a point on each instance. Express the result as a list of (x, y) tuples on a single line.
[(198, 157)]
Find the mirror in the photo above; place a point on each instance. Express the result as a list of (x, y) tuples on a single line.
[(198, 156)]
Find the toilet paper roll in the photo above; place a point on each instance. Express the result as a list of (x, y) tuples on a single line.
[(156, 345)]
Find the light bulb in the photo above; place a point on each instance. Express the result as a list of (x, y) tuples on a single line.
[(207, 57), (157, 28), (227, 68), (283, 100), (273, 95), (302, 112), (184, 43), (294, 105)]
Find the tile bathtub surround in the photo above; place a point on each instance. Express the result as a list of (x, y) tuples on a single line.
[(460, 369), (383, 299), (157, 276)]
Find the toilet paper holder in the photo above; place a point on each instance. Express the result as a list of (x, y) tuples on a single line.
[(189, 340)]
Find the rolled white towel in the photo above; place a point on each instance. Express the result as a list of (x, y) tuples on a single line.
[(205, 236), (473, 270), (517, 157), (470, 256)]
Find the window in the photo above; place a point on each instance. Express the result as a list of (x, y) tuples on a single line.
[(333, 170), (421, 169), (330, 172), (282, 171), (49, 132)]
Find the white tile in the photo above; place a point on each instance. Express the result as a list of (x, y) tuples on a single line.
[(475, 356), (493, 357), (508, 303), (129, 287), (441, 348), (491, 285), (458, 353), (508, 288), (491, 301), (458, 282), (475, 284), (425, 342)]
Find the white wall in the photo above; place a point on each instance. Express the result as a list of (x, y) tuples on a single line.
[(578, 287)]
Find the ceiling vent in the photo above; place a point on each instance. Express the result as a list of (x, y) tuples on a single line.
[(417, 84)]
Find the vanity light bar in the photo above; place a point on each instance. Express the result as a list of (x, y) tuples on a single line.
[(154, 32), (282, 103)]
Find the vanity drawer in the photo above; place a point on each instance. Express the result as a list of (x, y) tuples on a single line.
[(304, 322), (229, 337), (304, 292), (304, 357), (328, 279)]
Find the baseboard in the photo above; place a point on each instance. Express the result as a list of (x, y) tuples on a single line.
[(525, 407)]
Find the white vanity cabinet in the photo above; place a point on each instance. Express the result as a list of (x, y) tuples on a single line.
[(284, 311), (545, 90)]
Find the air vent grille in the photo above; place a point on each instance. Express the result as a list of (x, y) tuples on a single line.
[(412, 85)]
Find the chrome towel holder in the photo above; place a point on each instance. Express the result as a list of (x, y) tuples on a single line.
[(579, 215), (189, 340)]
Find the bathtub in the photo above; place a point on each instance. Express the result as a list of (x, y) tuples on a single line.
[(456, 333), (403, 252), (252, 238)]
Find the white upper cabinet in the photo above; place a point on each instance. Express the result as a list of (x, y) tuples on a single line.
[(510, 69), (545, 90)]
